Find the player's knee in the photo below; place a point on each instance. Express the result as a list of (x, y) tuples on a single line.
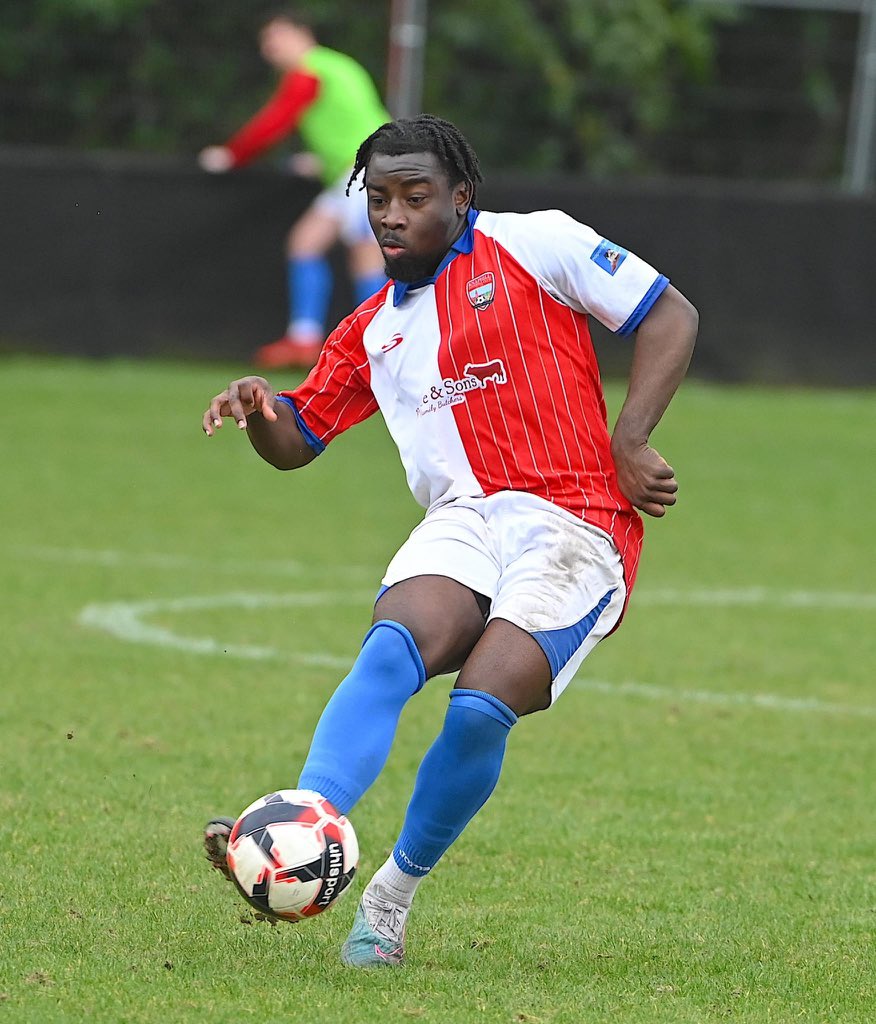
[(475, 722), (484, 705), (389, 649), (522, 698), (443, 617)]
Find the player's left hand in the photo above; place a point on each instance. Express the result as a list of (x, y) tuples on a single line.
[(645, 477)]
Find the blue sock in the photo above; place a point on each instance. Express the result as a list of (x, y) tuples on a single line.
[(457, 775), (365, 286), (355, 732), (309, 281)]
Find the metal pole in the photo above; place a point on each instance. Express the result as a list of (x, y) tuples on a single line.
[(407, 43), (861, 141)]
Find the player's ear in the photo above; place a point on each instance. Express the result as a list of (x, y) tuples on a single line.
[(462, 196)]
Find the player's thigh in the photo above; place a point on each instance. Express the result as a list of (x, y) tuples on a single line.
[(509, 664), (561, 590), (445, 618), (356, 231), (315, 231), (365, 257)]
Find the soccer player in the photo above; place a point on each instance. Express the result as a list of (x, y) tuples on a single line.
[(333, 104), (478, 355)]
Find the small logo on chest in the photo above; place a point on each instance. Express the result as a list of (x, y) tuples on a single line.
[(393, 342), (481, 290)]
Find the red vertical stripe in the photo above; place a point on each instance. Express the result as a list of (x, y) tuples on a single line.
[(336, 393), (544, 431)]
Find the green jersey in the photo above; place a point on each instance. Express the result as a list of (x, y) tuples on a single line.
[(330, 100), (347, 109)]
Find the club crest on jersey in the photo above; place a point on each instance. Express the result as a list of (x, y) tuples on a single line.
[(452, 391), (481, 290), (608, 256)]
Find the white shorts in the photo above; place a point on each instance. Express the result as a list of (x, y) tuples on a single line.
[(350, 210), (543, 569)]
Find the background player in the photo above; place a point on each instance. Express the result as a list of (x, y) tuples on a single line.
[(333, 103), (479, 357)]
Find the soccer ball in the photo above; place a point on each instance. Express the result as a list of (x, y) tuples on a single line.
[(292, 854)]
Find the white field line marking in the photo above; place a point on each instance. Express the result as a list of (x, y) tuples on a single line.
[(816, 600), (148, 560), (152, 560), (768, 701), (727, 597), (124, 620)]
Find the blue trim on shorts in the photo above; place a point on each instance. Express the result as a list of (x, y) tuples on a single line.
[(381, 592), (560, 644), (312, 440)]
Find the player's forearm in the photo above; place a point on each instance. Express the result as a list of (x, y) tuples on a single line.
[(663, 348), (279, 443), (264, 130), (278, 117)]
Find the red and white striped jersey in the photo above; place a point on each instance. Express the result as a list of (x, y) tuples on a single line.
[(486, 375)]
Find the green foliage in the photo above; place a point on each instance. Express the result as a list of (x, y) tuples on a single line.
[(603, 87), (590, 82), (543, 85)]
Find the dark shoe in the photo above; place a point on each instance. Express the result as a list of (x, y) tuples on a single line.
[(216, 833)]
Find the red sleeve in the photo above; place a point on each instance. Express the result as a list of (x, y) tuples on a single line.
[(336, 394), (277, 118)]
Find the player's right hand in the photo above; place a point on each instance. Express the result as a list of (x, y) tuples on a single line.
[(240, 399), (305, 165), (216, 159), (644, 476)]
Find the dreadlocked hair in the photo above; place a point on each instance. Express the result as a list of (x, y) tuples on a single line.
[(423, 134)]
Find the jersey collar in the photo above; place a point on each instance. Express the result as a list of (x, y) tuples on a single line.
[(465, 243)]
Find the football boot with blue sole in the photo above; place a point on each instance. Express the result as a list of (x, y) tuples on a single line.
[(377, 938)]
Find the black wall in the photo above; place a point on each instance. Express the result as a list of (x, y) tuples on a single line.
[(111, 254)]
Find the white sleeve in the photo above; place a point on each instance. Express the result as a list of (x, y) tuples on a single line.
[(579, 267)]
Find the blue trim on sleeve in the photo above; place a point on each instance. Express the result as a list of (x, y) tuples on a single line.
[(638, 314), (312, 440), (560, 644)]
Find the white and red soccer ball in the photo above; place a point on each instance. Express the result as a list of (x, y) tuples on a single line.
[(292, 854)]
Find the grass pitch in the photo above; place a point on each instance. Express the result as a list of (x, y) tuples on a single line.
[(687, 837)]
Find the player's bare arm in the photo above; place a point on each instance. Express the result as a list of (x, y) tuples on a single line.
[(664, 345), (270, 424)]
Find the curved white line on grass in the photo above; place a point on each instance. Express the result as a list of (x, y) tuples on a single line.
[(769, 701), (727, 597), (125, 621)]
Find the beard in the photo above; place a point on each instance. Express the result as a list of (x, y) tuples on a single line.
[(408, 269)]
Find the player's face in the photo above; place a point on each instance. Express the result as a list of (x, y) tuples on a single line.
[(283, 44), (415, 213)]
